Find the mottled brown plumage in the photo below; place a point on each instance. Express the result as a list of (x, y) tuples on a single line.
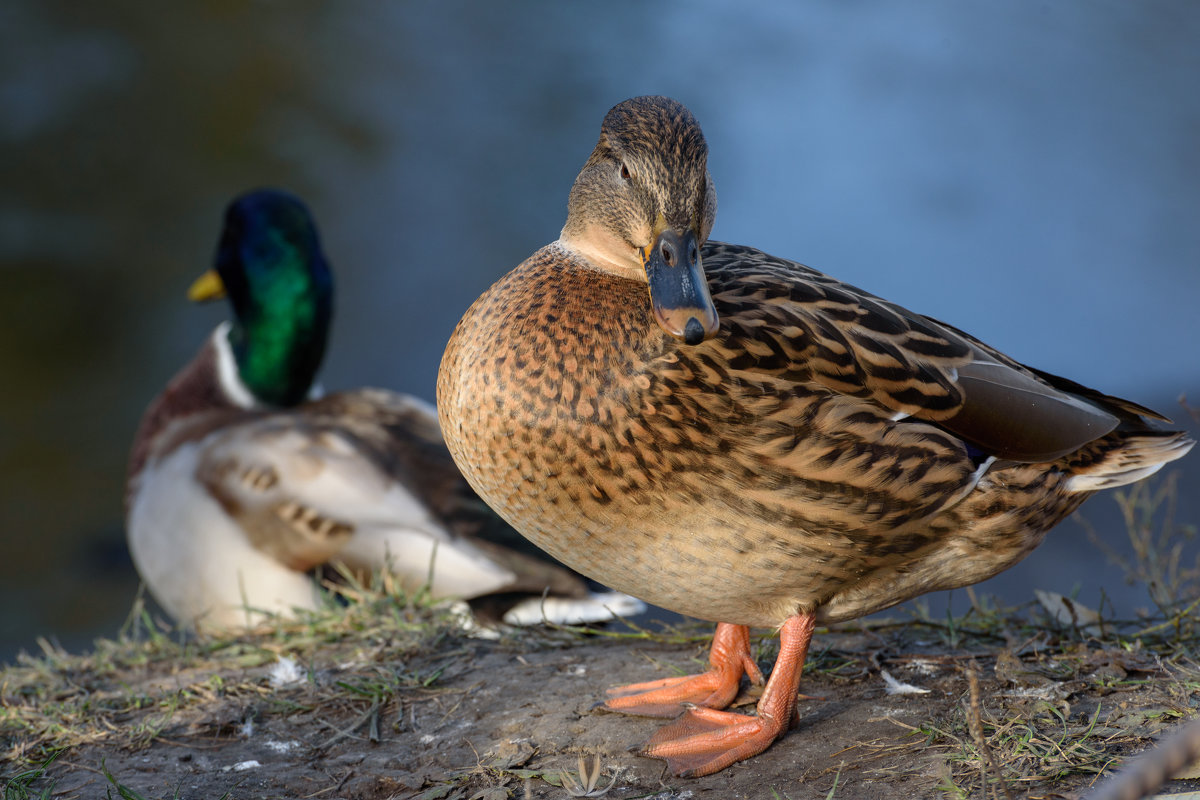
[(814, 453)]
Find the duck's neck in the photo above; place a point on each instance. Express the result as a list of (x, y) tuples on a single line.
[(600, 249), (277, 350), (226, 373)]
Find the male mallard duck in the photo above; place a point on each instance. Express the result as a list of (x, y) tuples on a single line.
[(239, 486), (751, 441)]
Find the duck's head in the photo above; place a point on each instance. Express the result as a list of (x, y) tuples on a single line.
[(270, 265), (642, 206)]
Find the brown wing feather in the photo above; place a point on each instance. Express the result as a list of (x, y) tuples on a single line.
[(402, 439), (277, 523), (859, 345), (818, 328)]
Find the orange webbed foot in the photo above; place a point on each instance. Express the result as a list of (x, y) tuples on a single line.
[(717, 688), (670, 696), (705, 740)]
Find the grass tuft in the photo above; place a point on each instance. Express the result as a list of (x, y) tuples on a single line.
[(56, 701)]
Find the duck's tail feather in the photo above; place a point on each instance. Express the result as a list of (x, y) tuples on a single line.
[(1124, 458)]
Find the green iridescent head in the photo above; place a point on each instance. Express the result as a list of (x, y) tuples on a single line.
[(270, 265)]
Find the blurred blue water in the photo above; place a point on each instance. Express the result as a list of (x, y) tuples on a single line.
[(1027, 170)]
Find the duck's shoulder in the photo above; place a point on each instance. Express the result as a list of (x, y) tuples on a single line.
[(203, 396), (763, 282), (793, 318)]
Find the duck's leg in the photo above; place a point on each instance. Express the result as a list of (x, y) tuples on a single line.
[(729, 657), (704, 741)]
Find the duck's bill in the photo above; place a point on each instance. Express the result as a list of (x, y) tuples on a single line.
[(683, 306), (207, 287)]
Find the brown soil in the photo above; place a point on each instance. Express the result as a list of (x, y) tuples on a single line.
[(443, 715)]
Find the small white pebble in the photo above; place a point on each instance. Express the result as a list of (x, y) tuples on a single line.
[(241, 766), (428, 738), (577, 669), (281, 747)]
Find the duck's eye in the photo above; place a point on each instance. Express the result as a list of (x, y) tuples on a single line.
[(624, 172)]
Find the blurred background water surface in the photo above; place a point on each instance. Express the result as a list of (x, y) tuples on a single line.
[(1029, 171)]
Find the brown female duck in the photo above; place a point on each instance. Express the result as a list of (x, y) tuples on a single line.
[(741, 438)]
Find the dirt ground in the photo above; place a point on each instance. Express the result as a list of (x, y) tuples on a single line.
[(445, 715)]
